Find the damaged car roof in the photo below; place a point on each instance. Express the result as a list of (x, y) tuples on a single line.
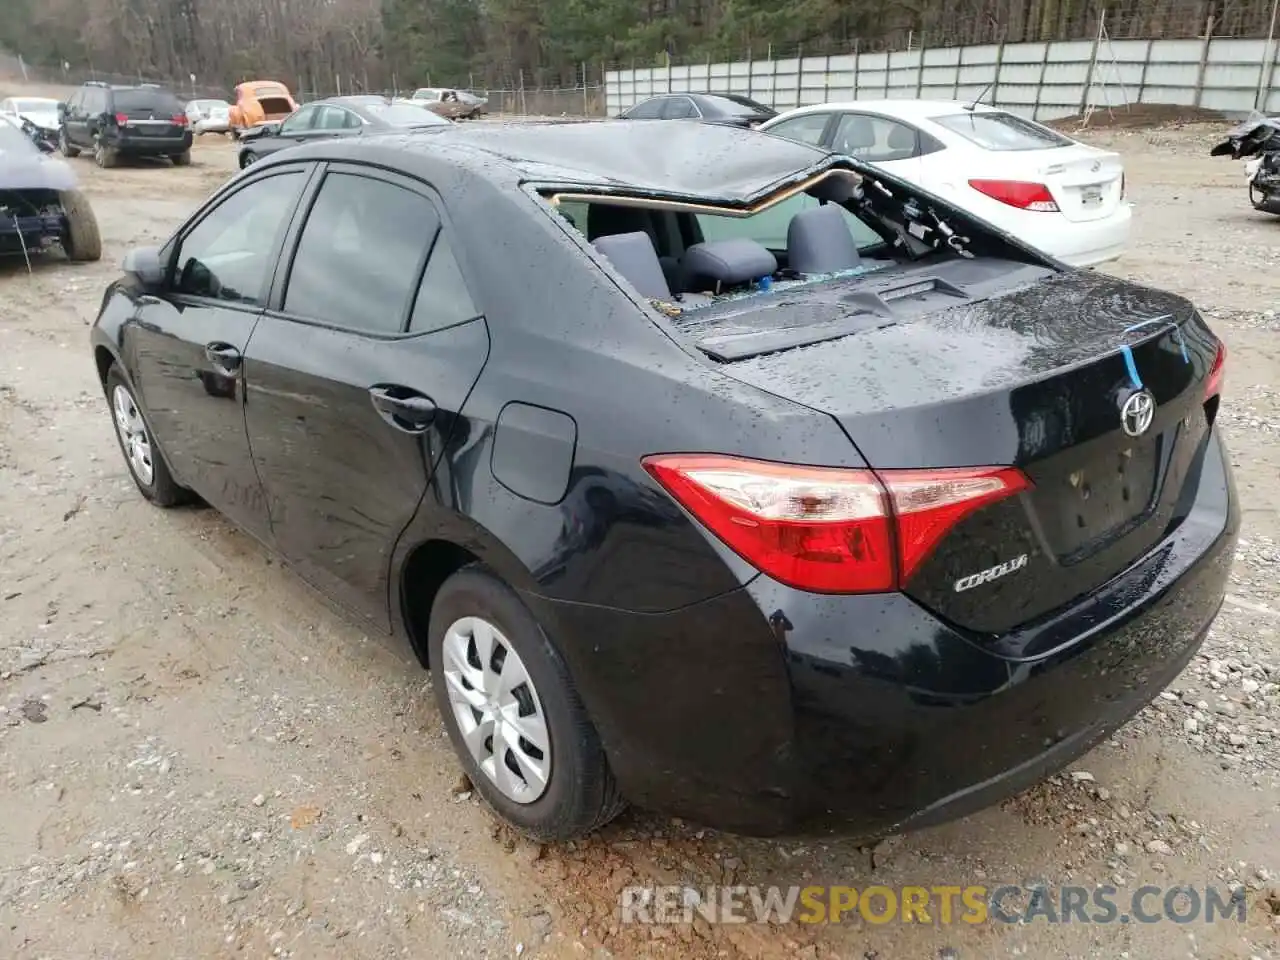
[(703, 161)]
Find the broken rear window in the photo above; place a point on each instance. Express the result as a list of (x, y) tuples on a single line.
[(157, 101)]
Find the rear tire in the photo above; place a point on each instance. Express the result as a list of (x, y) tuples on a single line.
[(141, 455), (105, 156), (182, 159), (246, 158), (579, 794), (83, 242), (65, 145)]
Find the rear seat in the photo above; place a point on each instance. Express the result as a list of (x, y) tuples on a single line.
[(819, 241), (633, 255)]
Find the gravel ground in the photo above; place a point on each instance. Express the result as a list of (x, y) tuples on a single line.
[(202, 759)]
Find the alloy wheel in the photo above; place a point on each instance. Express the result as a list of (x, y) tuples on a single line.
[(497, 709), (133, 435)]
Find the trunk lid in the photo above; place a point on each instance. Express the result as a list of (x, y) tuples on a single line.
[(150, 112), (990, 363)]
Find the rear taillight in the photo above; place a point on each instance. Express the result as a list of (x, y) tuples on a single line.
[(121, 119), (180, 119), (1018, 193), (1213, 382), (825, 529)]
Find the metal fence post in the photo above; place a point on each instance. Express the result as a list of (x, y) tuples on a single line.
[(1268, 58), (1204, 61), (857, 67), (920, 70), (799, 72), (995, 81), (1093, 61)]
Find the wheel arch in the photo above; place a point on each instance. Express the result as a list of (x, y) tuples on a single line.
[(425, 559)]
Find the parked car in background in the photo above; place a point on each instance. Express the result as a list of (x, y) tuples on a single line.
[(209, 116), (41, 112), (1059, 195), (125, 121), (723, 108), (41, 205), (335, 117), (258, 102), (870, 516), (450, 103)]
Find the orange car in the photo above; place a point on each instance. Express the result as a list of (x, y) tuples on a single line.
[(260, 101)]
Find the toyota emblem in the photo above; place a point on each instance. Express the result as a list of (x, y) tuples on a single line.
[(1137, 413), (1097, 165)]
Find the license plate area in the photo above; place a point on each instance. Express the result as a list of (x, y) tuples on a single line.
[(1085, 503), (1091, 195)]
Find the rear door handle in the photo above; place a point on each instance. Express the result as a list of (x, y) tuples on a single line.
[(403, 408), (223, 356)]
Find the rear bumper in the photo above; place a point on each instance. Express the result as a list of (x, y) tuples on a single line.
[(1082, 244), (770, 711), (151, 146)]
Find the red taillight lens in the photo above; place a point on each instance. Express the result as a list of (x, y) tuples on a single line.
[(1018, 193), (825, 529), (180, 119), (1213, 382), (121, 119)]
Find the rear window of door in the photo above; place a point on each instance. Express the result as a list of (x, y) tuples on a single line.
[(874, 139), (360, 254), (230, 254), (679, 108), (1002, 131), (806, 129)]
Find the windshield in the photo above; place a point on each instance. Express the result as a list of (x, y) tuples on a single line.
[(157, 101), (404, 115), (36, 106), (14, 144), (1002, 131)]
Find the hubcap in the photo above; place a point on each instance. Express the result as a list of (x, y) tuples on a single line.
[(133, 435), (497, 709)]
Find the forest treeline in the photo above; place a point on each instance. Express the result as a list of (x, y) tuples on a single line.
[(503, 43)]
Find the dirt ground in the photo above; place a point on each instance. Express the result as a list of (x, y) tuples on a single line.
[(199, 758)]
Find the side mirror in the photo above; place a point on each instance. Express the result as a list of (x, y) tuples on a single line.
[(144, 266), (62, 108)]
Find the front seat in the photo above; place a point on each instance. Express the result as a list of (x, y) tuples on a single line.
[(854, 135)]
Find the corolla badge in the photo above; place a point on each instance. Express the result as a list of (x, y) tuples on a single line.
[(991, 573), (1137, 413)]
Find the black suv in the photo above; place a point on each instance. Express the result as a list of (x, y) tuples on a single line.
[(142, 121)]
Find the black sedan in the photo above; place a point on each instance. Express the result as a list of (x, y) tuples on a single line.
[(712, 471), (334, 119), (724, 108)]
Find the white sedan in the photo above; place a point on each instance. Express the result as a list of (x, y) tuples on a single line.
[(1057, 194), (209, 116)]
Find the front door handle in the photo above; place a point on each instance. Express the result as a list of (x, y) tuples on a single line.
[(223, 356), (403, 408)]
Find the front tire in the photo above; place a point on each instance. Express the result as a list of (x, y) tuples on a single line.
[(83, 242), (246, 158), (146, 465), (512, 712)]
